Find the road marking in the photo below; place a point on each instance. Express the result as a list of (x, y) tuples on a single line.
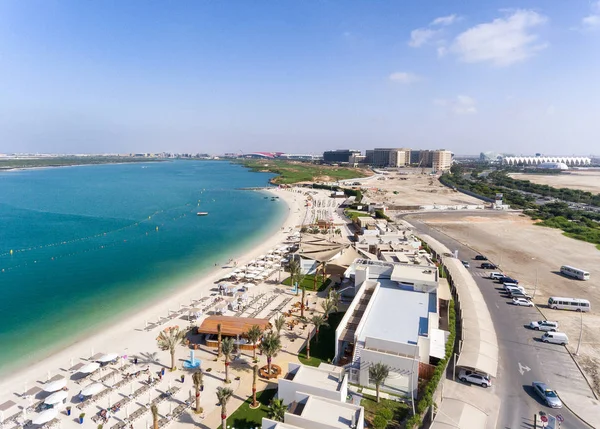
[(522, 368)]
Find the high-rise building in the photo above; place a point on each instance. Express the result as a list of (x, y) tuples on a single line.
[(340, 155), (425, 158), (441, 160), (388, 157), (415, 156)]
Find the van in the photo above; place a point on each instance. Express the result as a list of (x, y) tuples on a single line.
[(555, 338)]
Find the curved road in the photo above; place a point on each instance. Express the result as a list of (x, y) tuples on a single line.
[(523, 359)]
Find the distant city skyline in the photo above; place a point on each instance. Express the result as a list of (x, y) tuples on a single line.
[(299, 77)]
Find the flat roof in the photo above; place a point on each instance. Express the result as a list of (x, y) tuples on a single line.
[(410, 312), (331, 413), (230, 325), (414, 273), (324, 378)]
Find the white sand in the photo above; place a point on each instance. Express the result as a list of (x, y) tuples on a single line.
[(127, 337)]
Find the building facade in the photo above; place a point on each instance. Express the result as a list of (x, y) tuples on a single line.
[(340, 155), (536, 160), (441, 160), (388, 157)]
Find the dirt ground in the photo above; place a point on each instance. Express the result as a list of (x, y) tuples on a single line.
[(414, 188), (588, 180), (533, 253)]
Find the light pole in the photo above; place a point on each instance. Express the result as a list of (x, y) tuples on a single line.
[(580, 335)]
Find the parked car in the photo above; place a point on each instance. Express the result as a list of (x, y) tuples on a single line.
[(466, 264), (473, 377), (546, 394), (517, 293), (555, 338), (506, 279), (480, 258), (496, 276), (544, 325), (488, 266), (523, 302)]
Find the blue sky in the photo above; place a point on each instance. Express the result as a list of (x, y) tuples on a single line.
[(299, 76)]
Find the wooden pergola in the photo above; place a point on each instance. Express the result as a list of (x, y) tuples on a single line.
[(231, 326)]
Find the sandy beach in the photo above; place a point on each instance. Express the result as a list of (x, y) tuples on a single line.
[(128, 336)]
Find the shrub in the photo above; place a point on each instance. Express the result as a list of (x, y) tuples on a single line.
[(379, 422), (386, 413)]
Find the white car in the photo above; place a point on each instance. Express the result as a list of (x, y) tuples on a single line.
[(473, 377), (496, 276), (544, 325), (522, 302)]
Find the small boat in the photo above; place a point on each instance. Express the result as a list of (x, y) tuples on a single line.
[(202, 213)]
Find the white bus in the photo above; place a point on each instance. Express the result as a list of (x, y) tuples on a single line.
[(577, 304), (574, 272)]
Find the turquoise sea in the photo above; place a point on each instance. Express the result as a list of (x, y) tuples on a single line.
[(82, 246)]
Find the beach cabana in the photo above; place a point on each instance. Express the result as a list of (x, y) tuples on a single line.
[(45, 416), (92, 389), (55, 385), (56, 398)]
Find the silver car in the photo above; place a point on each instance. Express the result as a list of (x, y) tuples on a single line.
[(544, 325), (547, 395)]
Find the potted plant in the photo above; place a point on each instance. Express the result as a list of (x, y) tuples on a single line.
[(100, 426), (81, 416), (68, 410)]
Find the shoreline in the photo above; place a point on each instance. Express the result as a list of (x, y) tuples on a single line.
[(116, 335)]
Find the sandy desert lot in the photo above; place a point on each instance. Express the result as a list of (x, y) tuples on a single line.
[(414, 188), (529, 252), (588, 180)]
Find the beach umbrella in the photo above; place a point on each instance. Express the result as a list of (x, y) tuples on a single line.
[(92, 389), (56, 398), (53, 386), (89, 368), (109, 357), (45, 416)]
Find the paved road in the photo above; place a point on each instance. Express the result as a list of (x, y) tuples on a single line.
[(523, 359)]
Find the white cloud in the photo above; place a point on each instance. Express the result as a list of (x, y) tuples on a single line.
[(442, 51), (461, 105), (503, 41), (592, 21), (421, 36), (445, 20), (405, 77)]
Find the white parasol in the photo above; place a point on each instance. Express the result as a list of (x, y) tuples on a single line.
[(45, 416), (92, 389), (53, 386), (89, 368), (109, 357), (56, 398)]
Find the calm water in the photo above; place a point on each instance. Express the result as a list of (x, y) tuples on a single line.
[(90, 242)]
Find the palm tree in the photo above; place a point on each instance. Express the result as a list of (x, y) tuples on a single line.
[(279, 323), (270, 346), (254, 334), (302, 302), (227, 348), (338, 231), (197, 379), (168, 339), (324, 271), (294, 268), (219, 350), (277, 410), (254, 378), (318, 321), (377, 374), (308, 343), (335, 297), (328, 307), (154, 411), (224, 394)]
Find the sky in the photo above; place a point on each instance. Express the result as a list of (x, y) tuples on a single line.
[(215, 76)]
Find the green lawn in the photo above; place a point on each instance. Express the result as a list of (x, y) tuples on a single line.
[(399, 410), (324, 350), (293, 172), (247, 418), (352, 214), (309, 283)]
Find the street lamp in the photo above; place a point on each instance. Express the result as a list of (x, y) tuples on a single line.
[(580, 335)]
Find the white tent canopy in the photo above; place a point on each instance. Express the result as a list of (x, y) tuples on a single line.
[(56, 398), (45, 416), (92, 389), (89, 368), (53, 386), (109, 357)]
